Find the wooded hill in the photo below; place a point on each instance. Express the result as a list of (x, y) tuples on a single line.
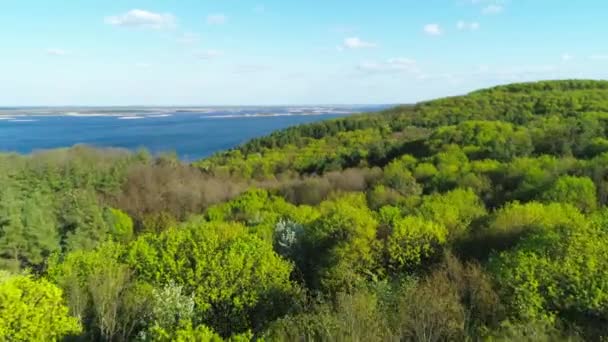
[(478, 217)]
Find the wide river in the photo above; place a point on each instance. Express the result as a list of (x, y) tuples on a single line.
[(191, 134)]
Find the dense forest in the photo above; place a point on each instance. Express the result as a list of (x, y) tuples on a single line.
[(478, 217)]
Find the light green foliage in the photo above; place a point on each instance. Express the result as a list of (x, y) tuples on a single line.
[(455, 210), (388, 215), (236, 279), (33, 310), (184, 333), (452, 165), (516, 218), (121, 225), (524, 179), (74, 273), (413, 242), (260, 212), (381, 195), (106, 287), (341, 244), (342, 150), (397, 176), (101, 290), (508, 225), (484, 139), (485, 166), (577, 191), (425, 171), (558, 273)]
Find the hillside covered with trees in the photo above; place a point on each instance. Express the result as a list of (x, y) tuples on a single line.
[(478, 217)]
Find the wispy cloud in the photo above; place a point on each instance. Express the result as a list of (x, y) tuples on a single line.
[(188, 38), (493, 9), (138, 18), (357, 43), (251, 68), (467, 26), (216, 19), (210, 54), (432, 29), (489, 7), (56, 52), (599, 57), (566, 57), (513, 73), (520, 72), (390, 65)]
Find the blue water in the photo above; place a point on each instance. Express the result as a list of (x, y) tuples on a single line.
[(192, 135)]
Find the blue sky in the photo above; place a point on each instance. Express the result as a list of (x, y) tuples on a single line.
[(236, 52)]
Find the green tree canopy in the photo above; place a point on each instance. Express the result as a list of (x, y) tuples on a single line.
[(33, 310), (237, 280), (578, 191)]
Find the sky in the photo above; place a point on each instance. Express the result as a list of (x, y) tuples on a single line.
[(271, 52)]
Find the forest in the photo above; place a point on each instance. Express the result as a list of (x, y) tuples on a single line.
[(472, 218)]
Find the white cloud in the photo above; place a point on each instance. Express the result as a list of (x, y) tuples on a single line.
[(599, 57), (391, 65), (467, 26), (251, 68), (56, 52), (402, 63), (357, 43), (432, 29), (483, 68), (210, 54), (566, 57), (489, 7), (142, 19), (492, 9), (216, 19)]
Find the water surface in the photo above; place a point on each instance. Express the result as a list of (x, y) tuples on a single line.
[(192, 134)]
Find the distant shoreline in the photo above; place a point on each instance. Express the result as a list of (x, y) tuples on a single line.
[(146, 111)]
